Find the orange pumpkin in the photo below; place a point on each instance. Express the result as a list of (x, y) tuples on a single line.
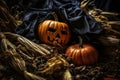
[(84, 54), (54, 32)]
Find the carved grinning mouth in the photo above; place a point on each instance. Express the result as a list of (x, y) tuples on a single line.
[(54, 41)]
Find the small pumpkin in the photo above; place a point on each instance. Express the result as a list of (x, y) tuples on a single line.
[(54, 32), (82, 54)]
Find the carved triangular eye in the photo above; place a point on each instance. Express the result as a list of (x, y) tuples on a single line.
[(51, 30), (64, 32)]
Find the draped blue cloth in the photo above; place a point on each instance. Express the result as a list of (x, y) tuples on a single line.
[(68, 11)]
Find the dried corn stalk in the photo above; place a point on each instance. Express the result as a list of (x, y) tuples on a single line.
[(29, 45), (20, 51), (7, 22), (15, 60), (22, 46), (55, 63), (109, 40), (104, 18), (101, 16)]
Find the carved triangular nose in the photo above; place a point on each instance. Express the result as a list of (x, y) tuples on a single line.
[(58, 36)]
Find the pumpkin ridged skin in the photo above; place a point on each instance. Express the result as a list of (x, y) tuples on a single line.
[(82, 56), (43, 32)]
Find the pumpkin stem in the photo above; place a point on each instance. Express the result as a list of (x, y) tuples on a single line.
[(80, 42), (55, 16)]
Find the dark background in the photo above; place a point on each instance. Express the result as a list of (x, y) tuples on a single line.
[(106, 5)]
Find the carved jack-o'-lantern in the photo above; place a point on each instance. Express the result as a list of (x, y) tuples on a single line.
[(54, 32)]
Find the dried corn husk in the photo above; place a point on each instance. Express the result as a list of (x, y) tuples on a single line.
[(101, 16), (109, 13), (7, 22), (55, 63), (15, 60), (67, 75), (48, 47), (30, 76), (29, 45), (114, 22), (109, 41)]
